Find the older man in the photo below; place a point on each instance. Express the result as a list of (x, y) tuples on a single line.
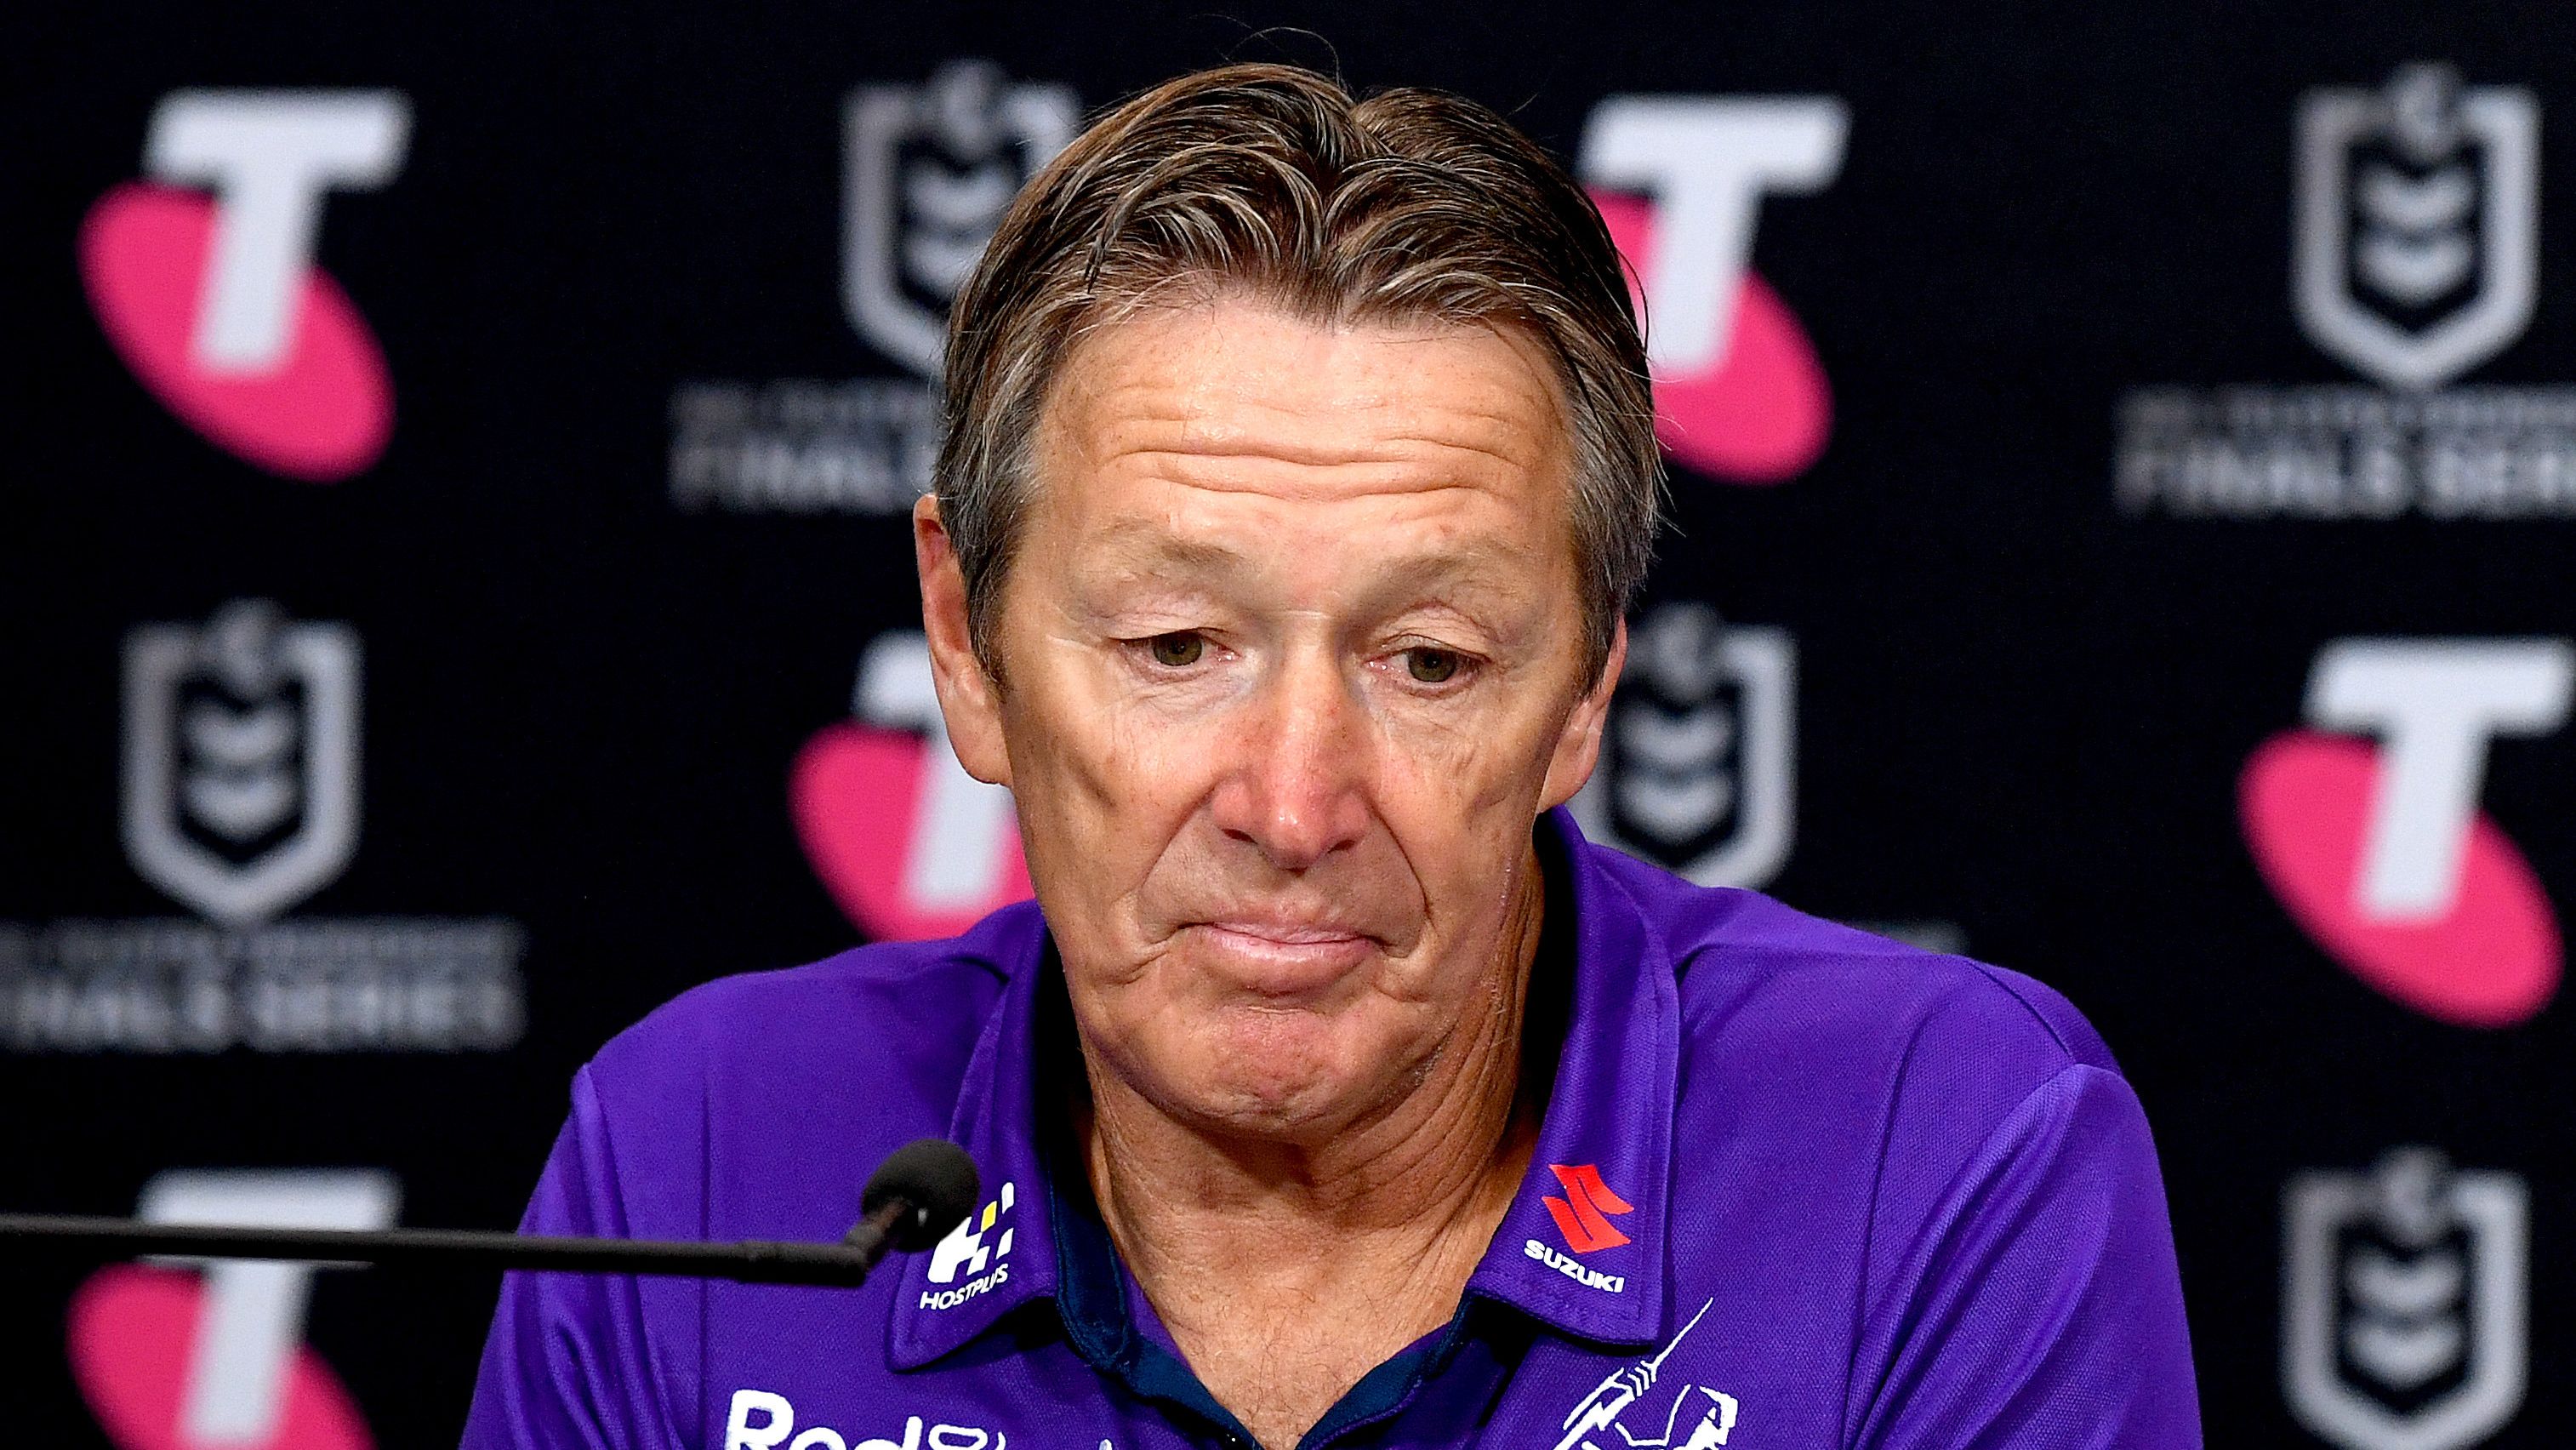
[(1334, 1091)]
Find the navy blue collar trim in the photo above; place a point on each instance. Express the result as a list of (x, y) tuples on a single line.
[(1386, 1390), (1091, 1297)]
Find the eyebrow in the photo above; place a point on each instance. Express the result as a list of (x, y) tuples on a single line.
[(1136, 544)]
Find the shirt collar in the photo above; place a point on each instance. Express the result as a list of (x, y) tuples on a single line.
[(1582, 1248), (1593, 1211), (1003, 1255)]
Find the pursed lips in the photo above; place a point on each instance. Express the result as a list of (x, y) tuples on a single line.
[(1283, 959)]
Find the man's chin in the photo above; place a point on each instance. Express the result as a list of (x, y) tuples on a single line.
[(1289, 1082)]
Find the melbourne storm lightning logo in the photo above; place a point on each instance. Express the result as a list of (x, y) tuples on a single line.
[(1696, 1416)]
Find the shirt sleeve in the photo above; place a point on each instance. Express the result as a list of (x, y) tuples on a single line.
[(568, 1365), (2033, 1299)]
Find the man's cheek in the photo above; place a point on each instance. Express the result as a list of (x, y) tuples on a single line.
[(1136, 763), (1467, 760), (1117, 799)]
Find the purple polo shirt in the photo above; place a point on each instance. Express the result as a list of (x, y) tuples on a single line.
[(1795, 1186)]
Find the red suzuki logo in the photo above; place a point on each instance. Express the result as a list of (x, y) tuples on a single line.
[(203, 277), (1583, 1214)]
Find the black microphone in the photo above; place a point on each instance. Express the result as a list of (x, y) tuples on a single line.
[(921, 1191)]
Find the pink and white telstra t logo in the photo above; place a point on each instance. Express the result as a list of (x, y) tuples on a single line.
[(212, 1356), (2380, 852), (211, 296), (909, 844), (1739, 394)]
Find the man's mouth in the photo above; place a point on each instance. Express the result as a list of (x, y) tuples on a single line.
[(1282, 959)]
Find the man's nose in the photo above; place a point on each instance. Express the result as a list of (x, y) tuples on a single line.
[(1295, 790)]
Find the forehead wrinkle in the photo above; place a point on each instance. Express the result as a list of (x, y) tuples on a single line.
[(1260, 473), (1194, 521), (1294, 439), (1453, 568)]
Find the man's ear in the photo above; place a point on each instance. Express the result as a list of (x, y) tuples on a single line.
[(968, 697), (1578, 744)]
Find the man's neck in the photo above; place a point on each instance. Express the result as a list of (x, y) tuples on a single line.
[(1358, 1244)]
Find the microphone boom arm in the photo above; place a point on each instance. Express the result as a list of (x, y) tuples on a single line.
[(918, 1194), (751, 1261)]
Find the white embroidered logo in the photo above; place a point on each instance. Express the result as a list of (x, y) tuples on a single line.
[(1709, 1413), (964, 1253), (777, 1421)]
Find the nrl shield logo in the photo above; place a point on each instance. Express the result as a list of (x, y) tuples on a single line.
[(2404, 1303), (2418, 223), (1697, 760), (928, 171), (241, 759)]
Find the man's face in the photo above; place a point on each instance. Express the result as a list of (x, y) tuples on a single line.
[(1291, 655)]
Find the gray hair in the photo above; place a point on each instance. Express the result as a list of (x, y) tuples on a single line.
[(1409, 205)]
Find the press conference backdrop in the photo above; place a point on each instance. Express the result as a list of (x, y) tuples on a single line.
[(459, 595)]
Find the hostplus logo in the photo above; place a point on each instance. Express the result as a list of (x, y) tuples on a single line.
[(1739, 394), (909, 844), (204, 281), (2367, 826), (241, 798), (927, 171), (1583, 1216), (197, 1354), (962, 1258), (2415, 257)]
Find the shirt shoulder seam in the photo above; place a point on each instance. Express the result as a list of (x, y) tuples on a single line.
[(2055, 1037), (2022, 1106)]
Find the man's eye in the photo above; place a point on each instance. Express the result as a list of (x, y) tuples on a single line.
[(1177, 650), (1432, 666)]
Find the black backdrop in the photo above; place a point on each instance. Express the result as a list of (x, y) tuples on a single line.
[(583, 636)]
